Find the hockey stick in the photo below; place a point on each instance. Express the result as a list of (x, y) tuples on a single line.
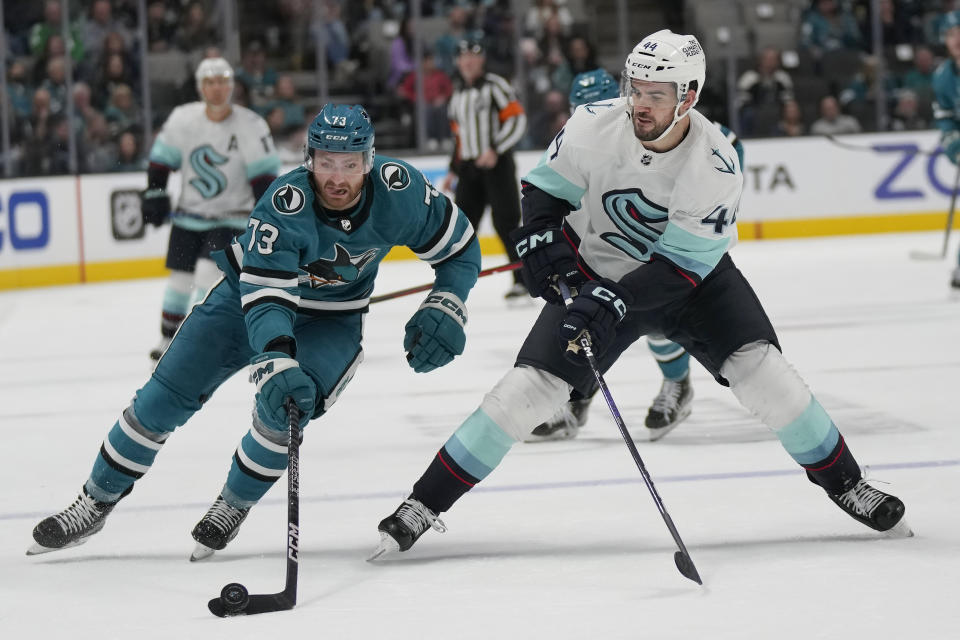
[(234, 598), (925, 255), (682, 557), (427, 287)]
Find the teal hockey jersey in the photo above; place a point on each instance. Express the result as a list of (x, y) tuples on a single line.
[(297, 257)]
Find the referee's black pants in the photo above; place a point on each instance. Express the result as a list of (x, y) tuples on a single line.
[(476, 188)]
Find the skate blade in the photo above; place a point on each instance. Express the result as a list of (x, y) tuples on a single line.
[(38, 548), (568, 433), (201, 552), (656, 434), (387, 546), (899, 530)]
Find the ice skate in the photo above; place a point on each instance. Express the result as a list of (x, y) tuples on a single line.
[(403, 527), (874, 508), (73, 526), (217, 528), (565, 423), (157, 352), (670, 407)]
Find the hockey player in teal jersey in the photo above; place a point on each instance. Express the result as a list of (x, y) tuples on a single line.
[(672, 404), (296, 285), (633, 208), (946, 105)]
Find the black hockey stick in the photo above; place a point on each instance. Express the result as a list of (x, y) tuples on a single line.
[(427, 287), (682, 557), (925, 255), (234, 598)]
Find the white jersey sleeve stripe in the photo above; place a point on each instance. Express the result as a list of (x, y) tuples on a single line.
[(263, 281)]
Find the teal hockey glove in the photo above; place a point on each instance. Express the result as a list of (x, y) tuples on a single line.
[(598, 310), (278, 377), (951, 146), (434, 335)]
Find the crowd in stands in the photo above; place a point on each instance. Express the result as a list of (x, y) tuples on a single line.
[(794, 88)]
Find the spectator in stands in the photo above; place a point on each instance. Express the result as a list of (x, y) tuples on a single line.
[(101, 150), (906, 114), (99, 23), (83, 109), (862, 89), (122, 111), (537, 75), (831, 121), (542, 11), (55, 48), (896, 26), (161, 27), (437, 89), (52, 19), (19, 89), (553, 44), (401, 55), (500, 37), (283, 110), (254, 72), (113, 72), (445, 46), (790, 124), (337, 35), (828, 26), (767, 87), (580, 58), (920, 77), (55, 83), (196, 31), (544, 123), (128, 153), (934, 26)]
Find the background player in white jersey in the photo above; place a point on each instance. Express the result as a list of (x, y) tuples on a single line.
[(946, 106), (296, 285), (633, 207), (227, 160), (673, 402)]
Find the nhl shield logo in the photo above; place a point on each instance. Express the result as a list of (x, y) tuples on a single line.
[(345, 224), (395, 176), (646, 159), (288, 200)]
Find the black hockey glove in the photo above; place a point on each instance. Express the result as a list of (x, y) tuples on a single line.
[(546, 257), (154, 206), (598, 310)]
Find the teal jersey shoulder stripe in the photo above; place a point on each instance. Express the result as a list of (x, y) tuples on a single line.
[(546, 179), (267, 165), (163, 153), (690, 252)]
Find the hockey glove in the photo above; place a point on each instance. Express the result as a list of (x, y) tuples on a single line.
[(154, 206), (951, 146), (598, 310), (434, 335), (278, 377), (547, 257)]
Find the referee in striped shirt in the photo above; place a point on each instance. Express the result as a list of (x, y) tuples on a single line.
[(487, 121)]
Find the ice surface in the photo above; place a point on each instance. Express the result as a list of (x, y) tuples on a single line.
[(562, 540)]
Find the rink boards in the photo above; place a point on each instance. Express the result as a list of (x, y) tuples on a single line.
[(64, 230)]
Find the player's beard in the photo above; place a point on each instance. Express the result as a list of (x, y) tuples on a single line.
[(652, 134)]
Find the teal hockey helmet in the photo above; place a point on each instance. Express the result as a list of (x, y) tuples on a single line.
[(948, 21), (341, 128), (592, 86)]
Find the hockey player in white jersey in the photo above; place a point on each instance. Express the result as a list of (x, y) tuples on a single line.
[(633, 206), (227, 160)]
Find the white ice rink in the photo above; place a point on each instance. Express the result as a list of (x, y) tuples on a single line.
[(562, 541)]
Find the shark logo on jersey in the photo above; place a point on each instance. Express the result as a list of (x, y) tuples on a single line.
[(395, 176), (288, 200), (210, 181), (640, 221), (728, 167), (343, 269)]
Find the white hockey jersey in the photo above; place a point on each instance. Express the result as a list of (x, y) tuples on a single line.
[(217, 159), (632, 203)]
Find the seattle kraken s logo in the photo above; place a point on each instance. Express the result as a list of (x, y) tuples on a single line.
[(210, 181), (639, 220)]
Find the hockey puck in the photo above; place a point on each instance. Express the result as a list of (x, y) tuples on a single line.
[(234, 597)]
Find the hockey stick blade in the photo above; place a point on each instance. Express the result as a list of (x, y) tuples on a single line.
[(265, 603), (926, 255), (685, 565)]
